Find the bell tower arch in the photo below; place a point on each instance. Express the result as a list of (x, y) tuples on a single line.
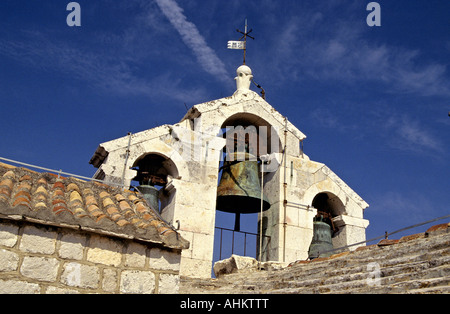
[(248, 137), (328, 206), (155, 173), (185, 159)]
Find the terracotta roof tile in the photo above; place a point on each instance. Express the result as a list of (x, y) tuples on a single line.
[(436, 229), (411, 237), (122, 222), (25, 177), (92, 206), (42, 181), (386, 242), (440, 227), (40, 206)]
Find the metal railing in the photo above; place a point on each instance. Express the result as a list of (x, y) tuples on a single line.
[(60, 172), (385, 236), (245, 240)]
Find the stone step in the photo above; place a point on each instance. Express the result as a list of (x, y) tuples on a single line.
[(348, 266), (403, 281), (422, 283), (421, 265), (373, 255), (325, 273), (393, 275), (199, 286), (361, 286), (432, 290)]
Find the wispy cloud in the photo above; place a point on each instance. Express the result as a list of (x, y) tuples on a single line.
[(398, 131), (103, 71), (405, 209), (326, 118), (354, 59), (407, 134), (191, 36), (341, 50), (411, 132)]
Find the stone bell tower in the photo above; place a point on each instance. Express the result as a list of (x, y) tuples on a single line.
[(183, 164)]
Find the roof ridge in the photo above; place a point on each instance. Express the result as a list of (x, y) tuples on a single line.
[(430, 232), (67, 201)]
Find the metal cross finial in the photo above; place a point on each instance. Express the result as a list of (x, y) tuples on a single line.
[(245, 35)]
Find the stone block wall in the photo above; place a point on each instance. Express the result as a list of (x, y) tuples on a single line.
[(192, 150), (413, 264), (44, 260)]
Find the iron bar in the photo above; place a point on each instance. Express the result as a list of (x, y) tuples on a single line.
[(220, 253), (232, 246), (59, 172), (233, 239), (285, 190), (126, 159), (387, 234), (261, 215), (245, 243)]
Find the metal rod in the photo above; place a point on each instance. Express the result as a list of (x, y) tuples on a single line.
[(245, 239), (246, 34), (60, 172), (245, 47), (388, 234), (237, 222), (220, 253), (245, 243), (261, 215), (285, 191), (232, 245), (231, 230), (126, 159)]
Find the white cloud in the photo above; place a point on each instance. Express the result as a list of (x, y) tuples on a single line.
[(110, 73), (415, 136), (322, 48), (327, 118), (405, 209), (191, 36), (407, 134)]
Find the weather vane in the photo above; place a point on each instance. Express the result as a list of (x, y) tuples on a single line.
[(241, 44)]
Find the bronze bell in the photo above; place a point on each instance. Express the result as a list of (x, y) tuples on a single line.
[(150, 173), (321, 244), (150, 193), (239, 190)]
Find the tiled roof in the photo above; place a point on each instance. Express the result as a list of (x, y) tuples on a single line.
[(90, 206)]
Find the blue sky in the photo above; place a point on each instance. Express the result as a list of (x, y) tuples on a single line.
[(373, 101)]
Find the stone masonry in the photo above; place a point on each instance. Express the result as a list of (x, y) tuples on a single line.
[(414, 264), (63, 235), (191, 152), (48, 260)]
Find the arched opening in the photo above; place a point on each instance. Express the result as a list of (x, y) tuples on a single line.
[(328, 206), (248, 137), (326, 233), (153, 180), (248, 129)]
